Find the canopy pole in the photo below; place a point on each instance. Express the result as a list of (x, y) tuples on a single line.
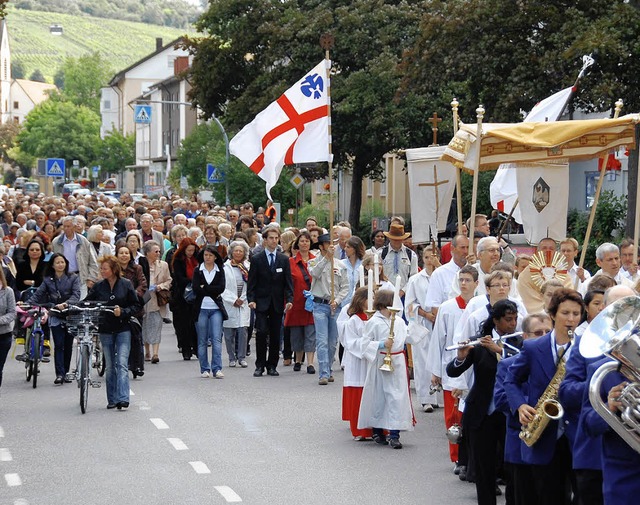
[(506, 221), (592, 216), (474, 194), (636, 221), (454, 108)]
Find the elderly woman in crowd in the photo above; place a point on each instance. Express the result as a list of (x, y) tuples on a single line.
[(184, 263), (95, 235), (236, 273), (178, 233), (160, 280), (134, 243), (115, 332), (7, 318)]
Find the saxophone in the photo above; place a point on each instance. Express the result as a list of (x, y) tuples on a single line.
[(548, 407)]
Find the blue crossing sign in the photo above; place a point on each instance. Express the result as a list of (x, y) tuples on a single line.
[(56, 167), (142, 114), (214, 174)]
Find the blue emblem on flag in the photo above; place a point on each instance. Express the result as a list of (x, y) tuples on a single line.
[(312, 85)]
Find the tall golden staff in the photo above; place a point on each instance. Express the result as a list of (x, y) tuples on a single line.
[(454, 108), (474, 194)]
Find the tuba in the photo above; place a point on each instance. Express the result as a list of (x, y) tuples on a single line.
[(614, 333), (548, 407)]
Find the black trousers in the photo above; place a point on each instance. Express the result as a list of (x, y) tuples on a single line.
[(589, 487), (185, 327), (268, 324), (5, 346), (553, 481), (287, 353), (520, 489), (485, 440)]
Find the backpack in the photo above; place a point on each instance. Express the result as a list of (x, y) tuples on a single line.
[(385, 251)]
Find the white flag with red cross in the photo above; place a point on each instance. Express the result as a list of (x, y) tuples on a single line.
[(293, 129)]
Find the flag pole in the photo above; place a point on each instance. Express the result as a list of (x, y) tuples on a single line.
[(326, 42), (454, 108), (636, 219), (596, 197), (474, 195)]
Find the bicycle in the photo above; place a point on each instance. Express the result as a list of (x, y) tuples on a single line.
[(34, 341), (83, 319)]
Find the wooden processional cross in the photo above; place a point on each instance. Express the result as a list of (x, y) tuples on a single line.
[(434, 125)]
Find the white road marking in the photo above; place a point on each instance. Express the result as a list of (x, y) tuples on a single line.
[(228, 494), (199, 467), (21, 501), (178, 444), (13, 479), (143, 405), (159, 423), (131, 393), (5, 454)]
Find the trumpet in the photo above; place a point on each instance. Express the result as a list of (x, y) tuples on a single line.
[(477, 341)]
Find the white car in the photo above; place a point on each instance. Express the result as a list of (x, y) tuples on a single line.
[(81, 192)]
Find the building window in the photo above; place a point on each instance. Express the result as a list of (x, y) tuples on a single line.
[(16, 119), (16, 105), (369, 187), (383, 188), (590, 187), (170, 60), (106, 105)]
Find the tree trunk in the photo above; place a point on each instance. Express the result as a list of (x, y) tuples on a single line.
[(356, 196), (632, 204)]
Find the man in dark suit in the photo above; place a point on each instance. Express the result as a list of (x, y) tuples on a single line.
[(270, 294)]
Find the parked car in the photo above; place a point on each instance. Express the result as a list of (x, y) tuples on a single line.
[(68, 189), (31, 188), (20, 182), (81, 192)]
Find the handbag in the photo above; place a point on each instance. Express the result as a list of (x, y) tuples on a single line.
[(163, 296), (308, 302), (189, 295)]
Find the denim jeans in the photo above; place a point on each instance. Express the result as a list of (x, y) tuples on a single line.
[(236, 341), (326, 337), (209, 327), (116, 348)]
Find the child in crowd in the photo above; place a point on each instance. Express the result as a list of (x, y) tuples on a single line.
[(386, 404), (355, 367)]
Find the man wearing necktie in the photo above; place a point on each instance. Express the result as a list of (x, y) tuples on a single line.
[(270, 294), (398, 259), (342, 234)]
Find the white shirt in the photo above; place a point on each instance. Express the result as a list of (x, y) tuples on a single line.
[(207, 301), (440, 284)]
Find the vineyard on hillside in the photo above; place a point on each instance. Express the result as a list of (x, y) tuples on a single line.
[(121, 42)]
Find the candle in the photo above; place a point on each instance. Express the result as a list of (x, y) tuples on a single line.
[(361, 275), (376, 269), (398, 281), (370, 290)]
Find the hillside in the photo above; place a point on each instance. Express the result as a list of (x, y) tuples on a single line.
[(122, 42)]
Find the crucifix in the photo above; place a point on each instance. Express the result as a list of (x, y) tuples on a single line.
[(434, 120), (435, 184)]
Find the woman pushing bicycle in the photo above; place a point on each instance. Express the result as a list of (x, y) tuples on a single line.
[(59, 289)]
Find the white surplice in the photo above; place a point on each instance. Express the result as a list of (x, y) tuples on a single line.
[(385, 397)]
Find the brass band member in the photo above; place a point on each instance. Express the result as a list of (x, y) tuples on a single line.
[(534, 368)]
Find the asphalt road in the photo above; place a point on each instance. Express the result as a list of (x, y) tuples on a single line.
[(188, 440)]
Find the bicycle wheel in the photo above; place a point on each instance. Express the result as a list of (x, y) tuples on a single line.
[(85, 370), (36, 343), (28, 365), (100, 362)]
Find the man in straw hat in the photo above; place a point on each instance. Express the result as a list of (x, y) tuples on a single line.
[(397, 259)]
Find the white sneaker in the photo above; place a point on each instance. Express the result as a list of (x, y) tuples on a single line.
[(232, 364), (243, 364), (218, 375), (427, 407), (205, 375)]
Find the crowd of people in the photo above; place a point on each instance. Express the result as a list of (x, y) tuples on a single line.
[(306, 296)]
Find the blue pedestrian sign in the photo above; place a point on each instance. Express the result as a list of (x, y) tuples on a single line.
[(96, 171), (56, 167), (142, 114), (214, 174)]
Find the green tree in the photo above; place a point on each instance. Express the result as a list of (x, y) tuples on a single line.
[(17, 70), (37, 76), (116, 151), (246, 60), (56, 129), (83, 77), (205, 145)]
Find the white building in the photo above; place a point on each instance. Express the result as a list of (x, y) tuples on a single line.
[(5, 74), (25, 95)]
